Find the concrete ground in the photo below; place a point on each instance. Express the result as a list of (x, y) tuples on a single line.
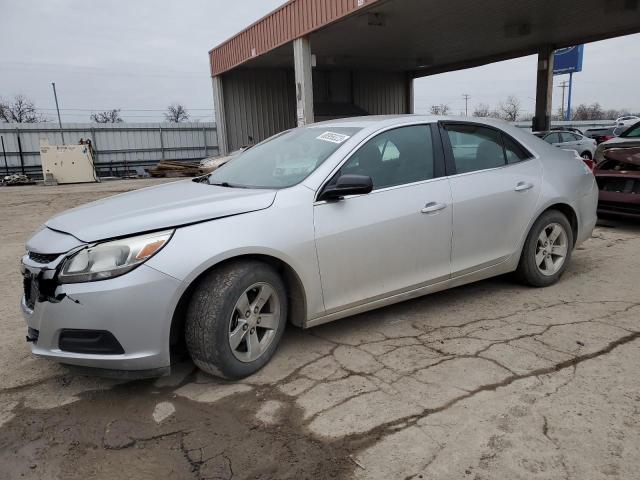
[(488, 381)]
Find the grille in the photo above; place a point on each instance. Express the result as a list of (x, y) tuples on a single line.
[(620, 185), (43, 257)]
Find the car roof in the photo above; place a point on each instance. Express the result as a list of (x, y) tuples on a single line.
[(381, 121)]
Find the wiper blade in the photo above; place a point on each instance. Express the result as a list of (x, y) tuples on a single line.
[(228, 185)]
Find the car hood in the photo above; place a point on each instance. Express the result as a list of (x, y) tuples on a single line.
[(625, 155), (621, 142), (154, 208)]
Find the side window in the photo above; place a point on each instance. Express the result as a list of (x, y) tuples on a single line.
[(514, 151), (475, 147), (552, 138), (395, 157), (567, 137)]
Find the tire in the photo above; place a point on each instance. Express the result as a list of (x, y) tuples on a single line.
[(213, 319), (586, 155), (529, 270)]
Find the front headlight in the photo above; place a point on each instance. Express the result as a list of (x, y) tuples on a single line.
[(111, 259)]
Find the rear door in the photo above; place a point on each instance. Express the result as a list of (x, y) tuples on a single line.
[(396, 238), (495, 185), (570, 141)]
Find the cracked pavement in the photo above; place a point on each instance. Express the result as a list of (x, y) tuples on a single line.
[(487, 381)]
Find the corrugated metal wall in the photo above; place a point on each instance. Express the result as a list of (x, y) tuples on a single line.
[(133, 143), (258, 103), (380, 93)]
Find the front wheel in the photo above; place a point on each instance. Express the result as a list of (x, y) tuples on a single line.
[(236, 319), (547, 250)]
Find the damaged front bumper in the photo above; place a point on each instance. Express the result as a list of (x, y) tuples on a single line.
[(122, 323)]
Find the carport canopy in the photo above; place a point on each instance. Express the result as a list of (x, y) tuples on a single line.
[(414, 38)]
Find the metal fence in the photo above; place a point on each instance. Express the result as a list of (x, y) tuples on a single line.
[(119, 147)]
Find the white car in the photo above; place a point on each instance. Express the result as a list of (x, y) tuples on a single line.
[(583, 146), (627, 120)]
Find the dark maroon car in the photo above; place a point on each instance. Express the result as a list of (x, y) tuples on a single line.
[(618, 174)]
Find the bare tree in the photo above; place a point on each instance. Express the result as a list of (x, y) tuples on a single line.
[(441, 109), (510, 109), (21, 110), (482, 110), (176, 113), (108, 116)]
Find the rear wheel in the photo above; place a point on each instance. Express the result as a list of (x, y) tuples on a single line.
[(547, 250), (236, 319)]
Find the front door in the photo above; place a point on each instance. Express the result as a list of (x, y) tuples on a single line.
[(495, 186), (395, 238)]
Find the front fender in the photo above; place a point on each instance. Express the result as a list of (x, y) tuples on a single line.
[(284, 231)]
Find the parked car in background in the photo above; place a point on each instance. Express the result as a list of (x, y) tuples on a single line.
[(618, 174), (602, 134), (583, 146), (310, 226), (627, 120)]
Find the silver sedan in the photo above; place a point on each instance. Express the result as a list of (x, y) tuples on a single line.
[(583, 146), (309, 226)]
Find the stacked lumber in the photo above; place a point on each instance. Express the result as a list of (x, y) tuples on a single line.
[(170, 168)]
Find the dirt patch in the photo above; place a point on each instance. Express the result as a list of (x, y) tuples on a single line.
[(112, 434)]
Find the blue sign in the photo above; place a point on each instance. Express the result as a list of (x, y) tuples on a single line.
[(568, 60)]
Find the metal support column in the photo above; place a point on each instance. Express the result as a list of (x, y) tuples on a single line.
[(4, 154), (204, 141), (304, 80), (221, 117), (544, 90), (161, 143), (409, 95)]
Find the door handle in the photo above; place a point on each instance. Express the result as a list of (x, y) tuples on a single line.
[(523, 186), (433, 207)]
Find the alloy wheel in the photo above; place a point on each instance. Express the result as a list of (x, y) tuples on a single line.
[(551, 249), (254, 321)]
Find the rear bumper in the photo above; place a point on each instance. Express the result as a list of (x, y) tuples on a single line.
[(619, 204), (135, 308)]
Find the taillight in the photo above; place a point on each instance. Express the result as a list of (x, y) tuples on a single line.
[(589, 163), (607, 137)]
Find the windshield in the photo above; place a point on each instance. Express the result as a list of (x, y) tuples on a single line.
[(283, 160), (633, 131)]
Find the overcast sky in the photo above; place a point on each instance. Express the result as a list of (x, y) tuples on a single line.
[(141, 55)]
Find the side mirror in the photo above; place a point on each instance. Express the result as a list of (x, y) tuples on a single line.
[(347, 185)]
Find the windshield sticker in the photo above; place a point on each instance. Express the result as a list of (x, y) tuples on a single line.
[(333, 137)]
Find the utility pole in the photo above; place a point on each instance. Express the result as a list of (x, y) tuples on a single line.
[(466, 97), (55, 96), (568, 114), (564, 85)]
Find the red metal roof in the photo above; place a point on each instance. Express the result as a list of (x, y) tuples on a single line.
[(292, 20)]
